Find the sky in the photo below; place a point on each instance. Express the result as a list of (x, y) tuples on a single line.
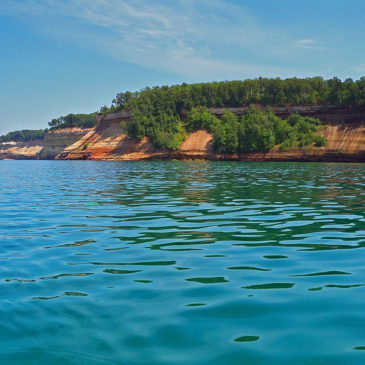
[(73, 56)]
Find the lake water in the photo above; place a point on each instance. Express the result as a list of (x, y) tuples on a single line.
[(182, 263)]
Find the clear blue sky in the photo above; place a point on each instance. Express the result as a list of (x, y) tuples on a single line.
[(73, 56)]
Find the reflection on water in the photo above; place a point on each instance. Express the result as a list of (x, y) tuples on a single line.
[(182, 262)]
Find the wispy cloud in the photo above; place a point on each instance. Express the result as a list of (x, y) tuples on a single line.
[(207, 38), (306, 41)]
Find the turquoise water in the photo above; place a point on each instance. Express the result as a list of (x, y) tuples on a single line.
[(182, 263)]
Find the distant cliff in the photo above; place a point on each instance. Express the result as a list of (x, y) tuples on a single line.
[(20, 150), (47, 149), (345, 134)]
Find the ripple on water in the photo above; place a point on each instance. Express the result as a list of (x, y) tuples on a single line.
[(181, 262), (247, 339)]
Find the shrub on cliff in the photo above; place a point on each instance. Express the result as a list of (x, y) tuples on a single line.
[(226, 133), (319, 140)]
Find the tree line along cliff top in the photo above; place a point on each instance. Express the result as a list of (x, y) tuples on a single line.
[(278, 92)]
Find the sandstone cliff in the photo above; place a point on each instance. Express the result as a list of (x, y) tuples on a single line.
[(108, 142), (56, 141), (345, 136)]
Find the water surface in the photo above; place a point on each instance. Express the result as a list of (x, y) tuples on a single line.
[(182, 263)]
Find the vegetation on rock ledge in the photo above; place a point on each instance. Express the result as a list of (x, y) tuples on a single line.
[(159, 112)]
